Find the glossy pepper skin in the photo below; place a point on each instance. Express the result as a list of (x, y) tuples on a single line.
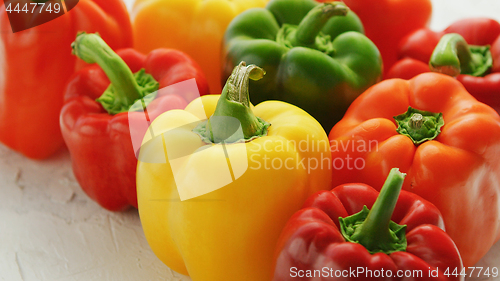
[(102, 153), (455, 167), (37, 66), (387, 22), (200, 232), (313, 238), (316, 57), (416, 53), (195, 27)]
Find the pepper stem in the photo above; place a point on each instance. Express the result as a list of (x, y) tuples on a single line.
[(373, 228), (374, 232), (233, 110), (125, 88), (416, 121), (420, 126), (453, 56), (315, 20)]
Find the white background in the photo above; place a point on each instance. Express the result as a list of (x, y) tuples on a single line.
[(50, 230)]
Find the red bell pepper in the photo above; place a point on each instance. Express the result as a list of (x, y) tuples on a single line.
[(476, 67), (386, 22), (97, 132), (445, 140), (350, 229), (37, 64)]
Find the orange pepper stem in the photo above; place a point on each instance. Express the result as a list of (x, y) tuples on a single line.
[(416, 121), (420, 126)]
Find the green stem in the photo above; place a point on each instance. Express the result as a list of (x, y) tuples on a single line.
[(311, 25), (453, 56), (374, 232), (420, 126), (233, 110), (373, 228), (92, 49)]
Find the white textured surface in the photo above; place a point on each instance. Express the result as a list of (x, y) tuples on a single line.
[(50, 230)]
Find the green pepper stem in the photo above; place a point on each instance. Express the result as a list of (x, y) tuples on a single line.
[(374, 232), (453, 56), (315, 20), (235, 102), (92, 49)]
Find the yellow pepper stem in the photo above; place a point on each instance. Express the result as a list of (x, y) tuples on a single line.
[(233, 110)]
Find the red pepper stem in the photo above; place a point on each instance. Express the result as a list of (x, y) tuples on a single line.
[(92, 49), (453, 56), (374, 231), (315, 20)]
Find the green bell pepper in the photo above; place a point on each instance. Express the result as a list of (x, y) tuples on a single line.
[(316, 55)]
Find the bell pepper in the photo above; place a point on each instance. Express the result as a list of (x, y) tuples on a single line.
[(350, 231), (213, 207), (443, 138), (476, 66), (195, 27), (95, 120), (37, 65), (315, 55), (387, 22)]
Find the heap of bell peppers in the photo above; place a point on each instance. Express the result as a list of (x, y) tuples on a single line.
[(445, 140), (378, 236), (215, 194), (316, 57), (216, 178), (95, 117), (195, 27), (476, 66), (38, 66)]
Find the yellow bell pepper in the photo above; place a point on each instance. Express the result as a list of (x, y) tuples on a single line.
[(214, 206), (195, 27)]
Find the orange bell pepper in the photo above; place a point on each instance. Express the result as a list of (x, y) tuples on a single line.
[(195, 27), (37, 63), (448, 143)]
